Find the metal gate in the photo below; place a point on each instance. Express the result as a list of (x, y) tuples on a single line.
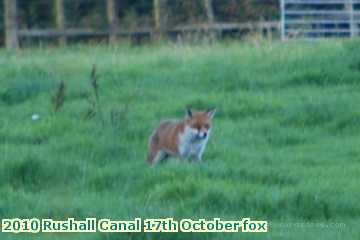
[(319, 18)]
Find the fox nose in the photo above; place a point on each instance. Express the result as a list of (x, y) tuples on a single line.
[(205, 134)]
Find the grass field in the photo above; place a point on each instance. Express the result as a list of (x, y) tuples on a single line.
[(284, 147)]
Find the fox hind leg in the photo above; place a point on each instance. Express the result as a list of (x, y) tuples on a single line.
[(153, 149), (163, 156), (155, 154), (152, 154)]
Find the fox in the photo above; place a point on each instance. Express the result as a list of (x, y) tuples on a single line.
[(185, 138)]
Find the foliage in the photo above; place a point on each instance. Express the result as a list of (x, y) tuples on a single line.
[(91, 13)]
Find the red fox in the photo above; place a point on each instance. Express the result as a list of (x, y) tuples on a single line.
[(185, 139)]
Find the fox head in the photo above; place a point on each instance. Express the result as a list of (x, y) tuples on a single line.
[(199, 123)]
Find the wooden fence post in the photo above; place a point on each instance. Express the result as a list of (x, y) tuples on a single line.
[(60, 21), (209, 11), (352, 24), (11, 26), (210, 18), (283, 19), (112, 20), (157, 19), (269, 32)]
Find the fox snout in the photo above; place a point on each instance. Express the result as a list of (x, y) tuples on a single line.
[(202, 134), (197, 134)]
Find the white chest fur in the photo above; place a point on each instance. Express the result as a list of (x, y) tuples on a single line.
[(190, 146)]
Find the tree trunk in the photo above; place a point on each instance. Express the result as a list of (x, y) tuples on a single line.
[(11, 26)]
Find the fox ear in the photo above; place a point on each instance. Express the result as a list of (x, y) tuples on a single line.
[(211, 112), (188, 112)]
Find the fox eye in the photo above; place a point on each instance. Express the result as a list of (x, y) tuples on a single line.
[(207, 126)]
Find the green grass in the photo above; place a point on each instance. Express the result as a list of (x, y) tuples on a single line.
[(284, 148)]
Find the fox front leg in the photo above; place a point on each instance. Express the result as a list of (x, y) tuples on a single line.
[(196, 157)]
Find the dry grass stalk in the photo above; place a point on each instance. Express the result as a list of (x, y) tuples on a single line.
[(59, 97), (94, 82)]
